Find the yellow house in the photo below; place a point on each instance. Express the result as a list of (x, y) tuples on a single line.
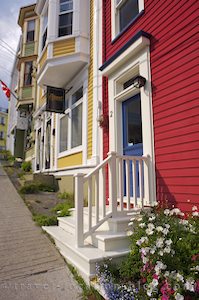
[(29, 23), (68, 142), (3, 128)]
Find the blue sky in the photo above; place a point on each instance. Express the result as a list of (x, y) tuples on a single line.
[(9, 33)]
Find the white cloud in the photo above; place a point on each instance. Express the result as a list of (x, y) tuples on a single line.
[(9, 33)]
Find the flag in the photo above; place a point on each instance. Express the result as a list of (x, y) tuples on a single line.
[(5, 89)]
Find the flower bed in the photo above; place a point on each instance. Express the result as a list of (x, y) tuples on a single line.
[(163, 262)]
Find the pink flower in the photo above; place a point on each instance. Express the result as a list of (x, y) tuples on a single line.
[(165, 297), (155, 276)]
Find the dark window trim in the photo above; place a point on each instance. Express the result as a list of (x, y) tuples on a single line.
[(126, 46), (127, 27)]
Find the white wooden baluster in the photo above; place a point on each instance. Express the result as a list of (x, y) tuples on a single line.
[(128, 183), (112, 184), (79, 207), (135, 184), (103, 192), (97, 197), (90, 193), (141, 182), (121, 183)]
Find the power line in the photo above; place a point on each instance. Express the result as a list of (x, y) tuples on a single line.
[(8, 45), (8, 50)]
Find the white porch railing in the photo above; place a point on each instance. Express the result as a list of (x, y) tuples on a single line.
[(127, 179)]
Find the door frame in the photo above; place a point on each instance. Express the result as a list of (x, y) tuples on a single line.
[(138, 64)]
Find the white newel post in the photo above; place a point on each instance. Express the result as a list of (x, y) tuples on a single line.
[(79, 207), (113, 184)]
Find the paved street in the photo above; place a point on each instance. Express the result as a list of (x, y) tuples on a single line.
[(30, 266)]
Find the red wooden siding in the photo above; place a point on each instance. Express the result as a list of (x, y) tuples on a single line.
[(174, 27)]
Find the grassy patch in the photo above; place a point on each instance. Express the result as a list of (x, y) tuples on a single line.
[(62, 209), (67, 196), (42, 220), (33, 188), (88, 292)]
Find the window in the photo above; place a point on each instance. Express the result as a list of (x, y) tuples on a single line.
[(28, 73), (44, 30), (71, 123), (65, 17), (2, 120), (125, 12), (1, 135), (31, 31)]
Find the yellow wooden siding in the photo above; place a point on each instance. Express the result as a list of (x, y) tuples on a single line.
[(90, 85), (64, 47), (70, 160), (43, 59), (42, 98), (29, 153)]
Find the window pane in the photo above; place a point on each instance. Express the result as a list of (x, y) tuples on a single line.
[(134, 122), (128, 11), (44, 38), (77, 95), (65, 24), (28, 73), (76, 126), (63, 145), (66, 6), (31, 25)]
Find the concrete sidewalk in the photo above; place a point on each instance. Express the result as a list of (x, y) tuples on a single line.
[(30, 266)]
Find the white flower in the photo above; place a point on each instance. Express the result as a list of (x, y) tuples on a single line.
[(176, 211), (167, 249), (142, 225), (167, 212), (183, 222), (151, 226), (159, 228), (159, 243), (130, 224), (149, 231), (145, 250), (194, 208), (152, 251), (179, 277), (189, 285), (152, 217), (159, 266), (167, 273), (167, 226), (129, 233), (142, 240), (161, 253), (195, 214), (179, 297), (168, 242), (165, 231), (149, 292), (145, 259), (154, 283)]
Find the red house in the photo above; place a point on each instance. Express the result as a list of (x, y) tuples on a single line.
[(159, 117)]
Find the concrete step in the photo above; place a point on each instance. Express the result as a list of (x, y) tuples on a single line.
[(82, 258), (109, 241)]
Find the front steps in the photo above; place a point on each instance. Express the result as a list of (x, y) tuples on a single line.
[(109, 241)]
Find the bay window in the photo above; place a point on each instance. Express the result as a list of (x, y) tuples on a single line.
[(65, 17), (71, 123)]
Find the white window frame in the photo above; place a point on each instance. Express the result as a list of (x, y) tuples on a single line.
[(115, 5), (31, 20), (68, 112), (64, 13), (45, 12)]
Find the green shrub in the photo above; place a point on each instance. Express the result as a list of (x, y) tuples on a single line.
[(66, 195), (42, 220), (26, 166), (8, 156), (33, 188), (62, 209)]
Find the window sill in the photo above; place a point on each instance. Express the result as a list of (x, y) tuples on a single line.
[(70, 152), (62, 38), (127, 27)]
